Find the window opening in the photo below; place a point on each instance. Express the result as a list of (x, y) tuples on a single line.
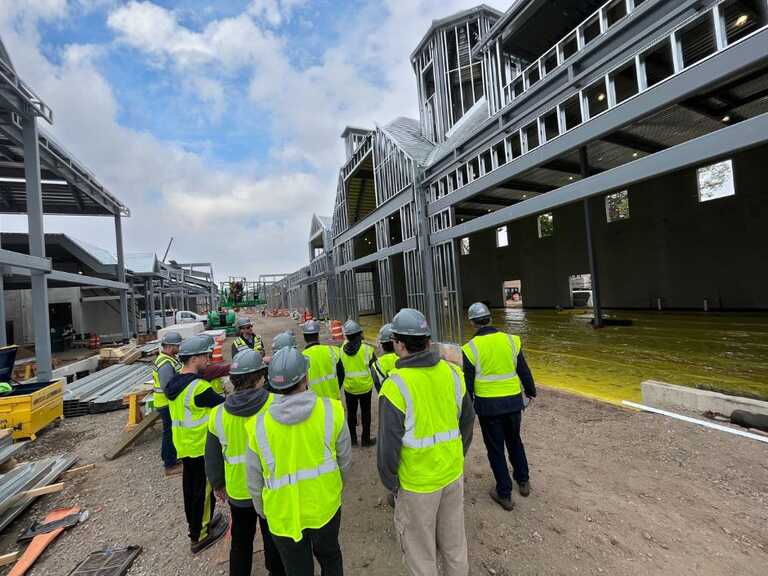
[(625, 82), (742, 17), (658, 63), (716, 181), (485, 157), (501, 153), (572, 112), (474, 169), (615, 12), (697, 40), (513, 294), (515, 147), (502, 238), (569, 46), (597, 98), (531, 135), (591, 30), (550, 61), (581, 290), (617, 206), (546, 225), (465, 246), (551, 125)]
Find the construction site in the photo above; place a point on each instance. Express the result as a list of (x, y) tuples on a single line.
[(587, 171)]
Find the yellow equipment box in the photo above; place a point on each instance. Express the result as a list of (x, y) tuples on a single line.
[(31, 407)]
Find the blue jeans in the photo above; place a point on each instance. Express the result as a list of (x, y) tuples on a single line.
[(167, 449), (500, 431)]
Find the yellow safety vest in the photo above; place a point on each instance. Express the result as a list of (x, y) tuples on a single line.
[(232, 432), (190, 422), (386, 363), (322, 370), (494, 357), (302, 480), (432, 455), (240, 344), (162, 358), (357, 374)]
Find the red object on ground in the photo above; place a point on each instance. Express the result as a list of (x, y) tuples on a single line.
[(39, 543)]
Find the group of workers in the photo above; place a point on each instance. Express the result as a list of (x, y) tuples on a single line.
[(278, 445)]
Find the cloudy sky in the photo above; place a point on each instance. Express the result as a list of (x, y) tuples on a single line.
[(216, 121)]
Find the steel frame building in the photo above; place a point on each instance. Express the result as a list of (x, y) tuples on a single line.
[(535, 124)]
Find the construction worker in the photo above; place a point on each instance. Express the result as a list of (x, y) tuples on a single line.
[(246, 339), (496, 373), (282, 340), (386, 362), (325, 367), (297, 456), (425, 430), (225, 462), (357, 359), (166, 366), (191, 399)]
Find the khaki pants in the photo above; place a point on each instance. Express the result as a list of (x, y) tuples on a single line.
[(430, 526)]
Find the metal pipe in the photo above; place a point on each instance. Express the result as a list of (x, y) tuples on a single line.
[(121, 277), (591, 250)]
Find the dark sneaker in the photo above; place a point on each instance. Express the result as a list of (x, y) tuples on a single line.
[(174, 470), (369, 442), (505, 503), (215, 532), (525, 489)]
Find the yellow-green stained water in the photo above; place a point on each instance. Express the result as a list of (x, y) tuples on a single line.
[(724, 352)]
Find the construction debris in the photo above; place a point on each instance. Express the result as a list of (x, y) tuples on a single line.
[(129, 436), (104, 390), (150, 348), (75, 517), (7, 448), (20, 486), (42, 541), (107, 562)]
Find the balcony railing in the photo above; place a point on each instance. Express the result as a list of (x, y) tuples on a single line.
[(693, 41)]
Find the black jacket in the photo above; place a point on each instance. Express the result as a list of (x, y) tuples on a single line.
[(504, 404)]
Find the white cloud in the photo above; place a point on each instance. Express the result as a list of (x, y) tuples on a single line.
[(174, 192)]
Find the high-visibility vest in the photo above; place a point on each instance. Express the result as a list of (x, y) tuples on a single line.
[(232, 432), (190, 422), (162, 359), (302, 480), (241, 344), (386, 363), (357, 374), (494, 357), (323, 380), (432, 455)]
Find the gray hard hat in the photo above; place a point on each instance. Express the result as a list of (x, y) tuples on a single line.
[(410, 322), (171, 339), (243, 322), (478, 310), (283, 340), (196, 346), (287, 368), (351, 327), (246, 362), (385, 334), (311, 327)]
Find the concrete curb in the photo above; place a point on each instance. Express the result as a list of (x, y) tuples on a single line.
[(663, 395)]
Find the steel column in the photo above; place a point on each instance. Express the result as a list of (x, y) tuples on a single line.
[(162, 301), (121, 277), (40, 316), (591, 250)]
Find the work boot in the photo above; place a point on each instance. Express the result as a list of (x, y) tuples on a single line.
[(174, 470), (505, 503), (369, 442), (215, 532), (525, 489)]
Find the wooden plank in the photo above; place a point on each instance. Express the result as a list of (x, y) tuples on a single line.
[(78, 469), (129, 437), (9, 558), (39, 491)]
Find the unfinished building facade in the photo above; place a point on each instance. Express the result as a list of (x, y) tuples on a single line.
[(570, 153)]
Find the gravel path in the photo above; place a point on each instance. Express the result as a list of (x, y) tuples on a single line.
[(615, 492)]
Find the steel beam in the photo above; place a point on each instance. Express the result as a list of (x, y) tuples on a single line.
[(19, 260), (3, 338), (409, 244), (40, 314), (121, 277), (591, 251), (737, 59), (729, 140), (390, 206)]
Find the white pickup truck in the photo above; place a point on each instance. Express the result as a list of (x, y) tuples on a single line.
[(171, 317)]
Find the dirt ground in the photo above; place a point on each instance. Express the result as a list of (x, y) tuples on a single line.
[(614, 492)]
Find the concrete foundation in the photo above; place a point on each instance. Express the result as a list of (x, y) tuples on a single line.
[(670, 396)]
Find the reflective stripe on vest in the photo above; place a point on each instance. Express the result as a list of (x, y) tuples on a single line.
[(188, 422), (327, 377), (480, 376), (241, 344), (219, 423), (329, 462), (410, 439), (357, 381)]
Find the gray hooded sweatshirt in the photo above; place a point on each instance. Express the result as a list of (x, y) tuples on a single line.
[(288, 410)]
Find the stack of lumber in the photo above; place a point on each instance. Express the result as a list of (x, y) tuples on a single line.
[(124, 354)]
